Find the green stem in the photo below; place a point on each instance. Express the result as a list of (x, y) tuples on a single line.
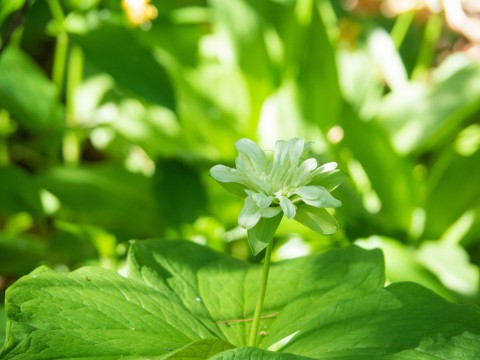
[(400, 28), (432, 33), (59, 63), (303, 11), (61, 47), (261, 296), (71, 142), (5, 130)]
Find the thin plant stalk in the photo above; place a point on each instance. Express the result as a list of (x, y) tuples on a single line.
[(432, 33), (71, 142), (61, 46), (252, 341), (400, 28)]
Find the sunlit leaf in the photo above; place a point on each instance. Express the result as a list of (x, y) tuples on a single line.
[(317, 79), (421, 116), (199, 350), (106, 196), (183, 299), (118, 52), (454, 189), (390, 175), (26, 92)]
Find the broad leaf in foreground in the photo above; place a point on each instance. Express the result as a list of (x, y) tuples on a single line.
[(184, 301)]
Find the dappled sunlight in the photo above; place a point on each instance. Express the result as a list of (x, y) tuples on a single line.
[(117, 117)]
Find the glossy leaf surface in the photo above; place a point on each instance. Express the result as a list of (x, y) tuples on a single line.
[(183, 301)]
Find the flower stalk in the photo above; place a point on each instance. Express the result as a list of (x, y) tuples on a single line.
[(253, 339), (285, 184)]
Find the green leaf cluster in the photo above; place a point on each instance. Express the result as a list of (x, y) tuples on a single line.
[(119, 146), (180, 300)]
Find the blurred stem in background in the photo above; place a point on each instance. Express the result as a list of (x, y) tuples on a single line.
[(6, 128), (427, 52), (401, 26), (71, 143), (303, 11), (61, 48), (15, 28)]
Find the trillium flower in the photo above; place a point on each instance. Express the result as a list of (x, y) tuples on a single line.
[(282, 185)]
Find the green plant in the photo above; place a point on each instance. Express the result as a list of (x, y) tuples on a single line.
[(109, 125), (275, 187), (181, 301)]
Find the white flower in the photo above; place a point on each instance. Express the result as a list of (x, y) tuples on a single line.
[(282, 184)]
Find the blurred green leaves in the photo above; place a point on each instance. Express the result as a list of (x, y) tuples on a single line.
[(180, 192), (9, 6), (156, 106), (19, 192), (26, 92), (442, 107), (96, 195), (117, 51)]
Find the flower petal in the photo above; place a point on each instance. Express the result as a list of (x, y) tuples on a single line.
[(251, 156), (318, 220), (223, 173), (270, 212), (262, 200), (327, 167), (250, 214), (304, 174), (231, 179), (329, 180), (285, 161), (317, 196), (289, 209)]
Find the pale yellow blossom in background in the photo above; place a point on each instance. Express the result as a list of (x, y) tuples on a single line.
[(139, 11)]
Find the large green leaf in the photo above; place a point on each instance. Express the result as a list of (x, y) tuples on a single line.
[(390, 175), (332, 306), (453, 189), (422, 116), (93, 313), (257, 354), (26, 92), (317, 78), (179, 191), (402, 263), (244, 38), (242, 30), (106, 196), (19, 192), (199, 350), (117, 51)]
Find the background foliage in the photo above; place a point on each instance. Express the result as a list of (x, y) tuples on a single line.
[(108, 128)]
